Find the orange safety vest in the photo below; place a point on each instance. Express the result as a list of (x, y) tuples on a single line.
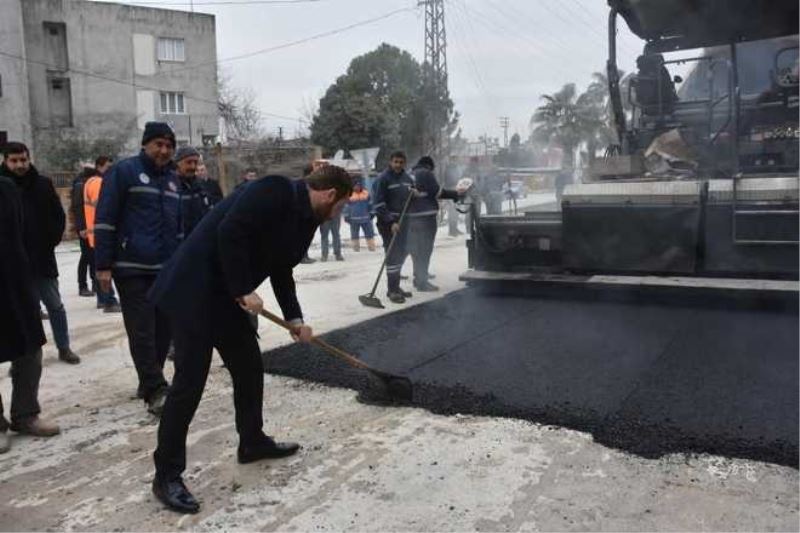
[(359, 196), (91, 195)]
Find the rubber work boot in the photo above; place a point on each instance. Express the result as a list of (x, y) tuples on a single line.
[(36, 427), (396, 297), (371, 245), (155, 405), (68, 356), (175, 496), (355, 244), (266, 449)]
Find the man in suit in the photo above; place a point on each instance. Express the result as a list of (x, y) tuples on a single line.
[(208, 292)]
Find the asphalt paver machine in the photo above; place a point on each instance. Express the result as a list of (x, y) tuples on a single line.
[(701, 187)]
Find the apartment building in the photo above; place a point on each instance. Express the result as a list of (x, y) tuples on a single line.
[(75, 69)]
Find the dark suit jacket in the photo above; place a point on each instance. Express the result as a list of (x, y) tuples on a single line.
[(260, 231)]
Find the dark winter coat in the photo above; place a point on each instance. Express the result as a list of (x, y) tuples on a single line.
[(44, 220), (260, 231), (212, 190), (76, 198), (390, 192), (426, 203), (193, 206), (137, 226), (20, 324)]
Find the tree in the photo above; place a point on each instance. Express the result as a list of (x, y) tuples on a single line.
[(240, 116), (561, 120), (68, 152), (381, 100)]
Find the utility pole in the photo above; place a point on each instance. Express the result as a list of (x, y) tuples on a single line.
[(436, 74), (504, 121)]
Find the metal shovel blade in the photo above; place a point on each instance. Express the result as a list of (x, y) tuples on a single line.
[(370, 300)]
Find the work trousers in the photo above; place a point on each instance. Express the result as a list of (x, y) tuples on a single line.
[(25, 375), (148, 333), (452, 219), (366, 227), (397, 255), (331, 227), (234, 337), (51, 298), (421, 236), (85, 263)]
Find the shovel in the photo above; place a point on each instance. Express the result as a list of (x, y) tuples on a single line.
[(385, 386), (370, 300)]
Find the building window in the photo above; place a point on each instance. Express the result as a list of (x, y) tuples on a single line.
[(171, 50), (60, 100), (172, 104)]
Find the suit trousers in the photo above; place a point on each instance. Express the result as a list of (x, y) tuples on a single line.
[(234, 336)]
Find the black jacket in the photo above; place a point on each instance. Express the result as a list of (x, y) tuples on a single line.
[(44, 220), (76, 198), (20, 324), (260, 231)]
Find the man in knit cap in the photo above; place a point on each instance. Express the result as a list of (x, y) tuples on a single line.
[(136, 231), (195, 203)]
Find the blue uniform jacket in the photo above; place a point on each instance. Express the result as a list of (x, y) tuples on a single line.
[(390, 193), (428, 193), (358, 209), (137, 221), (193, 206)]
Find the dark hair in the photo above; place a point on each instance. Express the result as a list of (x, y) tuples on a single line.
[(331, 177), (102, 160), (308, 169), (14, 148), (426, 161), (399, 154), (248, 170)]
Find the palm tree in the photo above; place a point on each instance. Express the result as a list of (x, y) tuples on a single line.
[(559, 120)]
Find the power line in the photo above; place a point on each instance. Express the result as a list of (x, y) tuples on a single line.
[(225, 2), (133, 84), (292, 43)]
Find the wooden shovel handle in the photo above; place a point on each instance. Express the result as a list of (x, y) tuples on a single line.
[(333, 350)]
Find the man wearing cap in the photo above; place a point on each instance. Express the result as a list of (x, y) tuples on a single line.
[(194, 201), (137, 229)]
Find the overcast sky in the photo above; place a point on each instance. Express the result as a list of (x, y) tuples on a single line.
[(502, 55)]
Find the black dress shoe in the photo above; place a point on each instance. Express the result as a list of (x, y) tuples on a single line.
[(268, 449), (175, 496)]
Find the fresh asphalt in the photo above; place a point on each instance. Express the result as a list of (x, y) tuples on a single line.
[(648, 378)]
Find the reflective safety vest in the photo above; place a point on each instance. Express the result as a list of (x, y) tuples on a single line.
[(91, 195)]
